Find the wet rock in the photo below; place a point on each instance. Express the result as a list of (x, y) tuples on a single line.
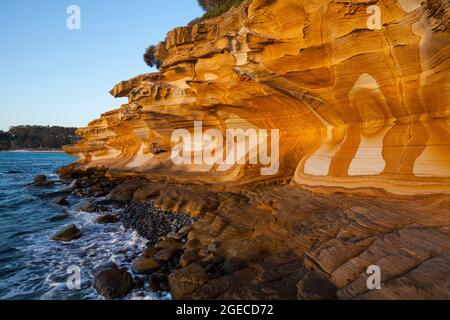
[(163, 286), (42, 181), (173, 235), (154, 282), (233, 264), (147, 192), (103, 208), (188, 257), (165, 255), (211, 268), (144, 266), (73, 184), (96, 188), (212, 247), (68, 233), (105, 266), (185, 281), (61, 201), (58, 217), (185, 230), (113, 283), (149, 252), (108, 218), (54, 195), (168, 243), (99, 194), (138, 282), (124, 191), (316, 286), (87, 206)]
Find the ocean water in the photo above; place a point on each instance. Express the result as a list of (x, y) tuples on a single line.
[(31, 265)]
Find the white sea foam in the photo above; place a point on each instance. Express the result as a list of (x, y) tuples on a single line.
[(48, 261)]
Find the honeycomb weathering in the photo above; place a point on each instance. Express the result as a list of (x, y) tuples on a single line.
[(356, 108)]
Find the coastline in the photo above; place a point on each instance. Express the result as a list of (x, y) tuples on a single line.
[(34, 151), (267, 241), (143, 271)]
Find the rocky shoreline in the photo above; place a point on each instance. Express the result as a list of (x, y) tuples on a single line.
[(165, 232), (268, 241)]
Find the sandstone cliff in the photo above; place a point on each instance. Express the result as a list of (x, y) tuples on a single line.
[(359, 110)]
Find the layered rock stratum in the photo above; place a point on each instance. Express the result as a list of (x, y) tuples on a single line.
[(364, 148)]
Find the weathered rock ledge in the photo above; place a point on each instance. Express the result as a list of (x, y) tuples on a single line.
[(280, 241), (364, 150)]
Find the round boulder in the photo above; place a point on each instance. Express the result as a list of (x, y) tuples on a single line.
[(113, 283), (67, 234), (144, 266)]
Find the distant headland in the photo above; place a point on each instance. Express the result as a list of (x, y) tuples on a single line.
[(36, 138)]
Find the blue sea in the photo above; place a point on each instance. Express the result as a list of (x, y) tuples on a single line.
[(31, 265)]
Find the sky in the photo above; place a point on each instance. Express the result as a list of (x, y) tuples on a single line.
[(51, 75)]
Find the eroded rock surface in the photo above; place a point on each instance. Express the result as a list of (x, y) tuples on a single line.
[(364, 150), (356, 108), (266, 242)]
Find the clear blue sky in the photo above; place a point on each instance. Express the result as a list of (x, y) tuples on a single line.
[(50, 75)]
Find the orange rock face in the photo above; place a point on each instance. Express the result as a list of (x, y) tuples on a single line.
[(358, 92), (355, 107)]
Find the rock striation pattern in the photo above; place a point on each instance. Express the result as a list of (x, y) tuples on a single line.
[(361, 112), (356, 108)]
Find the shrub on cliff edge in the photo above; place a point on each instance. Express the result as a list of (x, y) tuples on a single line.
[(215, 8), (150, 59)]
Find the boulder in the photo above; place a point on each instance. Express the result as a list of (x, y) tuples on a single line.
[(147, 191), (154, 282), (61, 201), (104, 266), (233, 264), (87, 206), (67, 234), (149, 252), (58, 217), (113, 283), (185, 281), (174, 235), (42, 181), (165, 255), (144, 266), (189, 256), (107, 218), (124, 191), (316, 286), (168, 243), (138, 282)]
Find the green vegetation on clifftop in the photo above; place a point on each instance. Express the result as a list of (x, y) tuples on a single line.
[(36, 137)]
